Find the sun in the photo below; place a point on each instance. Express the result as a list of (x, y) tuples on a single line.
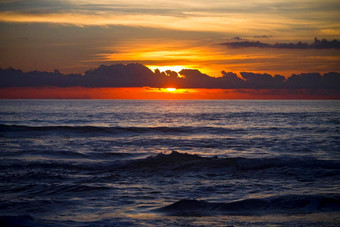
[(171, 89)]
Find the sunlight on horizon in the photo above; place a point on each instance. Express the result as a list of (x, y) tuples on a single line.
[(171, 89), (176, 68)]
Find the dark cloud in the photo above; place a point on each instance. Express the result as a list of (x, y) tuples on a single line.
[(245, 44), (138, 75), (305, 80), (263, 81), (237, 38), (231, 80), (194, 78), (331, 80), (317, 44), (16, 78), (119, 75)]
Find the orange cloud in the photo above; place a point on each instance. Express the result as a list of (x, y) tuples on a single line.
[(190, 22)]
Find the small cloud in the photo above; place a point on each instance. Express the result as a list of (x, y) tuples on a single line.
[(245, 44), (317, 44)]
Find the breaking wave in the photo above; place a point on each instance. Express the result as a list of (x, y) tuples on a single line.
[(177, 161), (288, 204)]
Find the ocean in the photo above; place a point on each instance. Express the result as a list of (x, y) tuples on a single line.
[(169, 163)]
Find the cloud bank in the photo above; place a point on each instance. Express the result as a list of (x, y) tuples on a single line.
[(138, 75), (285, 16), (317, 44)]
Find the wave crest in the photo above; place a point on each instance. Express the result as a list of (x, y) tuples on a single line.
[(114, 130), (177, 161), (288, 204)]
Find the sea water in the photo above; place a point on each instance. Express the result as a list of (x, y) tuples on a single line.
[(169, 163)]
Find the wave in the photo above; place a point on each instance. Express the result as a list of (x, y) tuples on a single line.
[(115, 130), (176, 161), (175, 164), (287, 204), (67, 155)]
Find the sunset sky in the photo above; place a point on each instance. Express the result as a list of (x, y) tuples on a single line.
[(234, 36)]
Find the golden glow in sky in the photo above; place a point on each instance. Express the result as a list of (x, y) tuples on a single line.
[(176, 68), (153, 93), (78, 35)]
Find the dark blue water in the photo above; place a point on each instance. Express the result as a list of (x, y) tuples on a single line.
[(169, 163)]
